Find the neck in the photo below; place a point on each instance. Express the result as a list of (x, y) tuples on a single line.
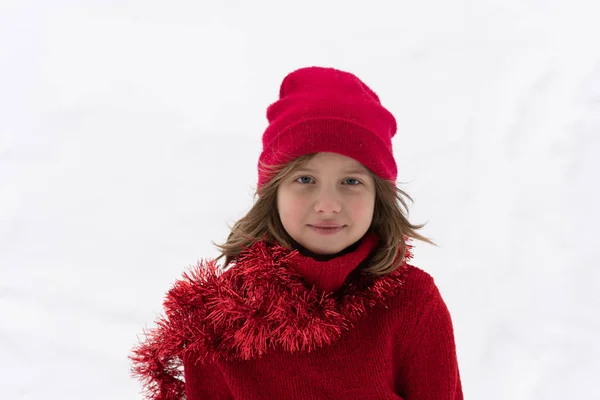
[(329, 272), (324, 257)]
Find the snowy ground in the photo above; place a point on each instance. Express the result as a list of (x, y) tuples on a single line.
[(129, 134)]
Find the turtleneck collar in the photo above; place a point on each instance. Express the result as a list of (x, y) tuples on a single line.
[(329, 272)]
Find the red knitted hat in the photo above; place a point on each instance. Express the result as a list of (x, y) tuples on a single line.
[(328, 110)]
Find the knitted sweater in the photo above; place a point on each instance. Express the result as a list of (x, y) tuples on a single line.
[(283, 325)]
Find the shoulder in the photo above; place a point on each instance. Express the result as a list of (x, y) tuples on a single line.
[(418, 276), (417, 293), (418, 284)]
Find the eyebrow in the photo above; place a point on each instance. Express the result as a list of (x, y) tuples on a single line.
[(347, 171)]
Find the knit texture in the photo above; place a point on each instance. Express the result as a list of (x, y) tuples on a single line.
[(328, 110), (329, 276), (262, 330)]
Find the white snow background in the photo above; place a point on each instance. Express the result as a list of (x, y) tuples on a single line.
[(130, 131)]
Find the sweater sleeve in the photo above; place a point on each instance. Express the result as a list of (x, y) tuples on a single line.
[(205, 381), (428, 368)]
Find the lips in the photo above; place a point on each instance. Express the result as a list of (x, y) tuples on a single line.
[(326, 229), (326, 225)]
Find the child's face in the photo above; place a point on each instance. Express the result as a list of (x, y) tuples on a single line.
[(331, 189)]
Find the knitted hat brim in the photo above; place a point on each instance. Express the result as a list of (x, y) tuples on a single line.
[(315, 135)]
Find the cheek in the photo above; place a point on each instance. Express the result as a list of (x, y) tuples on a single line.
[(290, 207), (362, 208)]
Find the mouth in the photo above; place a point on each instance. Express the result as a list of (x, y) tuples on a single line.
[(327, 229)]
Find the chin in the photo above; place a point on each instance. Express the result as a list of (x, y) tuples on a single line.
[(327, 249)]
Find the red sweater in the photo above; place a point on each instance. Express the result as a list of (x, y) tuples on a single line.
[(282, 325)]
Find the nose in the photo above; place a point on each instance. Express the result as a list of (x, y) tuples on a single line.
[(327, 201)]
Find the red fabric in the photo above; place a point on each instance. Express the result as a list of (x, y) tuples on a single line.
[(329, 275), (328, 110), (262, 330)]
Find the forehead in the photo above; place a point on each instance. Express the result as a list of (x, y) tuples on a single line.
[(333, 162)]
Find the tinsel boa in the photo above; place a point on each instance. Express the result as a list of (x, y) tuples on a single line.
[(260, 303)]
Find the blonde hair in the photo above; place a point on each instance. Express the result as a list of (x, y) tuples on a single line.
[(390, 221)]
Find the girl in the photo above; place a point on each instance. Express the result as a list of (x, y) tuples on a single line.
[(316, 298)]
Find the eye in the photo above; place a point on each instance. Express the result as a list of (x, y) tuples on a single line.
[(353, 181), (303, 179)]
